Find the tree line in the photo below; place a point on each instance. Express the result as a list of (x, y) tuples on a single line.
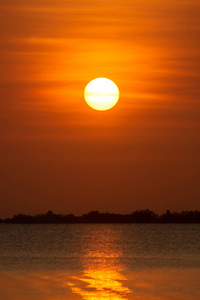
[(138, 216)]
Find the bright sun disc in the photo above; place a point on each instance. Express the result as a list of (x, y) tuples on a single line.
[(101, 94)]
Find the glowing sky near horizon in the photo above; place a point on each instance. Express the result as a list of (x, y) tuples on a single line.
[(58, 154)]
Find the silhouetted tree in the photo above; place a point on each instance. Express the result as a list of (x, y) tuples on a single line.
[(138, 216), (144, 216)]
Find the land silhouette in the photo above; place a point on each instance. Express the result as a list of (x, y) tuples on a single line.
[(138, 216)]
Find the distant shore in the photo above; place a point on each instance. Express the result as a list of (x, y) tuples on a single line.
[(138, 216)]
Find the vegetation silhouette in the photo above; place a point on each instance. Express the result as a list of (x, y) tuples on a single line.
[(138, 216)]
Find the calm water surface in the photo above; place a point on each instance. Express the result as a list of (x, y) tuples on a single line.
[(106, 261)]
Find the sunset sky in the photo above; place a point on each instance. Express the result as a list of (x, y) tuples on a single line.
[(59, 154)]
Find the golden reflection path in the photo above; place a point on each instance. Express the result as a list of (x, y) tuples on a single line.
[(101, 278), (161, 284), (100, 284)]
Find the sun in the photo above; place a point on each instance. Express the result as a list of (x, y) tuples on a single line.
[(101, 93)]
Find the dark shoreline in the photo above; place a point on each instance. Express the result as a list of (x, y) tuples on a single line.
[(95, 217)]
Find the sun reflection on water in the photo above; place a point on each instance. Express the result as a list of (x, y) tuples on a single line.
[(100, 284), (101, 278)]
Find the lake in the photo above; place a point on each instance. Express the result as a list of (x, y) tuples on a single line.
[(99, 261)]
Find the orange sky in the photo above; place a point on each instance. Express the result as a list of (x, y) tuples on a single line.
[(59, 154)]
